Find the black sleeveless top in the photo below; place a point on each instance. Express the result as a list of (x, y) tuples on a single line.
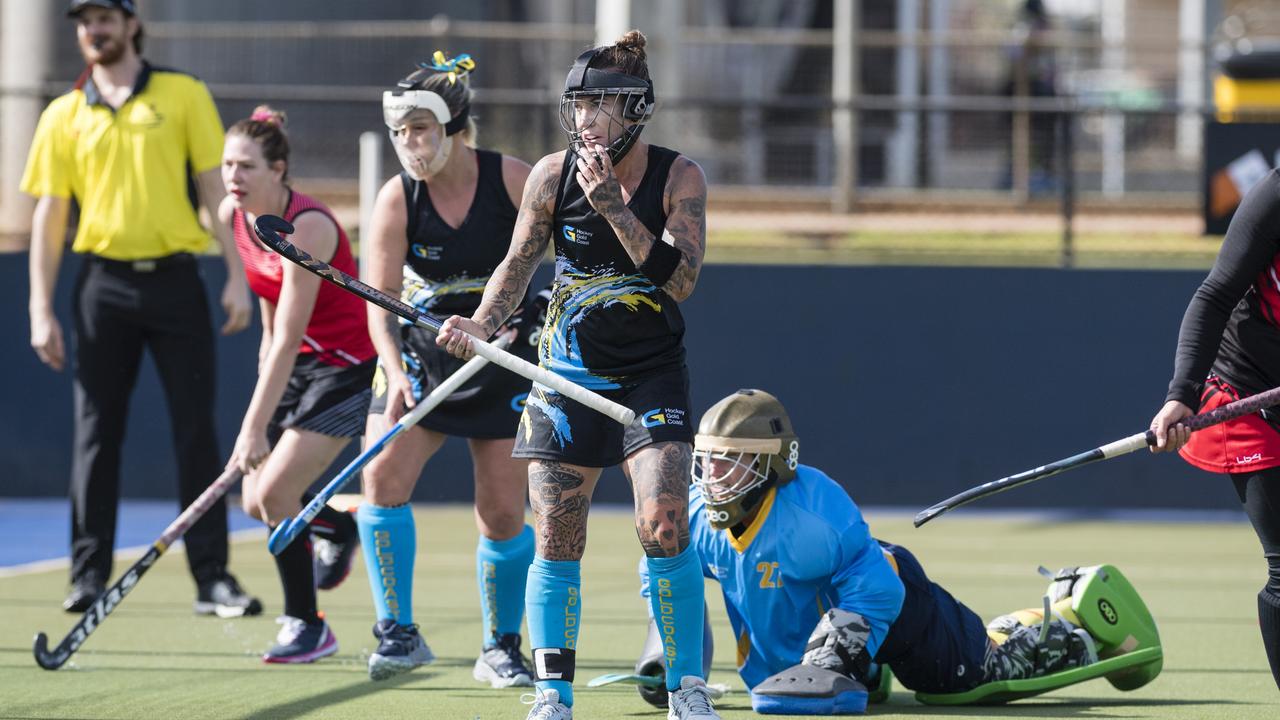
[(446, 268), (607, 323)]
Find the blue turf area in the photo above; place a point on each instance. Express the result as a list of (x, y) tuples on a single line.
[(34, 529)]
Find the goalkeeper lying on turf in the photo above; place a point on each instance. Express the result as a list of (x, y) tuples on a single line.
[(819, 606)]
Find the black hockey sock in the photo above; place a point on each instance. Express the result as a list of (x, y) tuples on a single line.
[(298, 579), (333, 525), (1269, 621)]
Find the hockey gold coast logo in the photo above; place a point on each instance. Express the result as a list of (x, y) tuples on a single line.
[(577, 236), (663, 416)]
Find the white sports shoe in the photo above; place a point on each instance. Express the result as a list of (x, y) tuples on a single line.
[(546, 706), (691, 702)]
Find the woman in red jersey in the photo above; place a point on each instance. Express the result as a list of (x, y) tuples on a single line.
[(315, 367), (1228, 348)]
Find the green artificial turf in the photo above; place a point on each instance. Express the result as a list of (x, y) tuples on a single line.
[(153, 659)]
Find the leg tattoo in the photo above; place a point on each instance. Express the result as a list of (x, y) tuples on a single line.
[(660, 479), (559, 509)]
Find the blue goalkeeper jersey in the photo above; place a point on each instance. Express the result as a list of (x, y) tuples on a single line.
[(807, 550)]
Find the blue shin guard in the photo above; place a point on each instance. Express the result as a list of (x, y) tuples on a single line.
[(389, 542), (502, 567), (677, 600), (553, 600)]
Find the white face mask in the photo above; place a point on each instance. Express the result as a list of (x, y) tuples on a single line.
[(422, 153)]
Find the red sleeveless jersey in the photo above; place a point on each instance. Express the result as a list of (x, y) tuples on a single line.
[(338, 332)]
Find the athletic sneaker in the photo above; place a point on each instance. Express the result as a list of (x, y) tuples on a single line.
[(332, 560), (691, 702), (225, 598), (301, 642), (546, 706), (400, 649), (502, 665)]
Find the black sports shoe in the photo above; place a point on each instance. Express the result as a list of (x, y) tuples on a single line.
[(331, 557), (84, 590), (400, 649), (224, 597), (502, 666)]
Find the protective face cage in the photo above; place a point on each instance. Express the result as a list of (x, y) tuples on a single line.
[(591, 87), (730, 499)]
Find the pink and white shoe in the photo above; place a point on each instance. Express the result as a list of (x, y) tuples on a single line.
[(300, 642)]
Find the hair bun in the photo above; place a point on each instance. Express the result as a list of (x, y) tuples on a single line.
[(267, 114), (633, 41)]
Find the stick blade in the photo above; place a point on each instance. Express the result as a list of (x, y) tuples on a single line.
[(927, 514), (44, 658), (280, 537), (268, 229)]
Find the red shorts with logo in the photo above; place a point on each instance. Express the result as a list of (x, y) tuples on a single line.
[(1246, 444)]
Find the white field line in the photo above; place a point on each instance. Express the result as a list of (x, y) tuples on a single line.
[(122, 555)]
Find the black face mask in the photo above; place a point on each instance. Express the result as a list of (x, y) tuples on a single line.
[(634, 103)]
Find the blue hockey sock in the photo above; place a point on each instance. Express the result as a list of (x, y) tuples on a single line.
[(389, 542), (676, 597), (553, 599), (501, 569)]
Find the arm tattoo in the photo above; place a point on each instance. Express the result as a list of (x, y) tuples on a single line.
[(660, 480), (507, 285), (559, 510), (686, 226)]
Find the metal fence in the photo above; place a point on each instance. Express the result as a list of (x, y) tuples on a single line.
[(940, 105)]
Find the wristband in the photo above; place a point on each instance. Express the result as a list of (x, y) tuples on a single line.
[(661, 263)]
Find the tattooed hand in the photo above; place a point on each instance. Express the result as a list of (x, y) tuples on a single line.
[(598, 181)]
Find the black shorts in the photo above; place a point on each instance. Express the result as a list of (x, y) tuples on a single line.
[(553, 427), (327, 399), (486, 407), (937, 645)]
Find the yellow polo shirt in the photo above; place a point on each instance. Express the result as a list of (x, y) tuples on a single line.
[(129, 168)]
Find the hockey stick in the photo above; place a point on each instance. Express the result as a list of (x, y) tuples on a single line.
[(288, 531), (649, 681), (109, 600), (1124, 446), (268, 229)]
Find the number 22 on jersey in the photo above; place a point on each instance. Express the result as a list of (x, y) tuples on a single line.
[(769, 575)]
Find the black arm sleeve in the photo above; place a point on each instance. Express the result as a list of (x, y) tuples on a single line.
[(1252, 241)]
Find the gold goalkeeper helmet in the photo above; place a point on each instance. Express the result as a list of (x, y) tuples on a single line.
[(744, 446)]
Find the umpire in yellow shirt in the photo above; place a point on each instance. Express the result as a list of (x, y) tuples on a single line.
[(122, 143)]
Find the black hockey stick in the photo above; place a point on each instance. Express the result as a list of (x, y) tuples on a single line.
[(1124, 446), (268, 229), (109, 600)]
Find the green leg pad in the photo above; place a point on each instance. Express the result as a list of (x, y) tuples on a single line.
[(1109, 607), (1145, 662)]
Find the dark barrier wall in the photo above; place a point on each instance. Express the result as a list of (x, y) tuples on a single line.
[(906, 384)]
